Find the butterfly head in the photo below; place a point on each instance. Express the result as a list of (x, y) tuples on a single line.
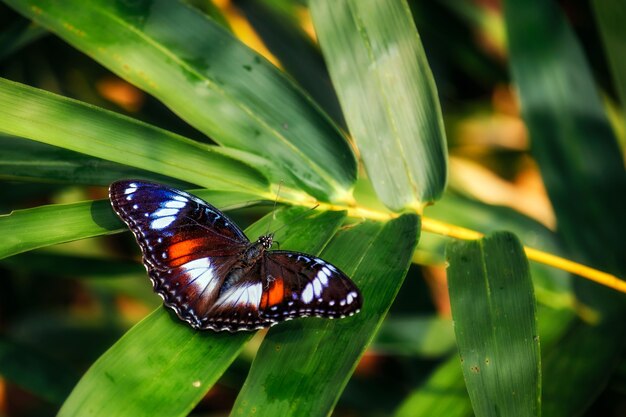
[(266, 241)]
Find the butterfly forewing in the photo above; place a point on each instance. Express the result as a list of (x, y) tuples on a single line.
[(188, 245), (212, 276)]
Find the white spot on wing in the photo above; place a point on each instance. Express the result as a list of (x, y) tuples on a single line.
[(175, 204), (323, 276), (349, 298), (179, 198), (165, 212), (162, 222), (131, 188), (307, 294), (317, 288)]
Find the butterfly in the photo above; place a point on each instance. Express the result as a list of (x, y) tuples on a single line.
[(210, 274)]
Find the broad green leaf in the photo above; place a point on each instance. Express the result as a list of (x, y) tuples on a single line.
[(583, 170), (56, 120), (611, 15), (48, 225), (211, 80), (493, 308), (35, 372), (303, 366), (26, 160), (162, 367), (386, 89)]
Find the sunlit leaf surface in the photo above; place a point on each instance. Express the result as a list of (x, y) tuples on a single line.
[(379, 69)]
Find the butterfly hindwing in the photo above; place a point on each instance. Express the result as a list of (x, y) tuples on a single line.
[(301, 285)]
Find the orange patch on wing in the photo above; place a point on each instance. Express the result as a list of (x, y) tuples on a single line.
[(180, 261), (276, 292), (274, 295), (184, 248)]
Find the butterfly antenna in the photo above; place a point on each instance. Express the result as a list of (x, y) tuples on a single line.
[(269, 225)]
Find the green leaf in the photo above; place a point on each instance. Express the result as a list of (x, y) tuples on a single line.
[(493, 308), (313, 359), (59, 121), (583, 170), (444, 392), (386, 89), (26, 160), (611, 15), (48, 225), (162, 367), (211, 80)]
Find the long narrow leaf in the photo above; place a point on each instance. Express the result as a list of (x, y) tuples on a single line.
[(209, 78), (388, 95), (26, 160), (493, 308), (162, 367), (45, 117), (303, 366)]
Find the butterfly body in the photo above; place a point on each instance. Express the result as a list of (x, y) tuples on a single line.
[(212, 276)]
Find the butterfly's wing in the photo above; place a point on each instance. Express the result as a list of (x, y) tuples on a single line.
[(237, 307), (301, 285), (189, 247)]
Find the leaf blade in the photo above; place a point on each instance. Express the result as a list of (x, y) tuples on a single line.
[(493, 308), (388, 96), (45, 117)]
